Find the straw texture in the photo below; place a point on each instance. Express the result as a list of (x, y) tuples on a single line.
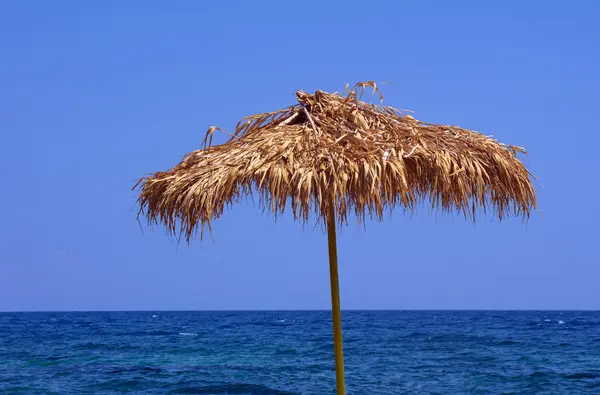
[(335, 149)]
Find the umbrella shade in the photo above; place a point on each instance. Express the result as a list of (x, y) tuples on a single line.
[(333, 154), (332, 149)]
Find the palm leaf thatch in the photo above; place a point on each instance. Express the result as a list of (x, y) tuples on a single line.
[(335, 149)]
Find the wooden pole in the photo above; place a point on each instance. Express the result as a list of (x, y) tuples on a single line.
[(335, 303)]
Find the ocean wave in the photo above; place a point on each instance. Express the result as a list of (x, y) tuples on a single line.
[(285, 320), (324, 347), (144, 369), (413, 335), (461, 338), (583, 323), (539, 374), (188, 350), (227, 326), (507, 343), (584, 375), (122, 385), (289, 351), (234, 388), (386, 353), (147, 333), (91, 346), (56, 358)]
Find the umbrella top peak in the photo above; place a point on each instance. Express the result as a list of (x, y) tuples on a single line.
[(336, 150)]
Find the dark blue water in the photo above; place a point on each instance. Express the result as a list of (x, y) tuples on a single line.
[(292, 352)]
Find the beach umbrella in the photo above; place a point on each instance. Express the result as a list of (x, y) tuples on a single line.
[(333, 155)]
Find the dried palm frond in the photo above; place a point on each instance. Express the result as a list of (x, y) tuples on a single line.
[(332, 149)]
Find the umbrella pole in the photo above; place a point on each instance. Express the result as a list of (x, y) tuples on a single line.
[(335, 303)]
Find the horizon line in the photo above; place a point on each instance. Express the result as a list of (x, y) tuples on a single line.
[(293, 310)]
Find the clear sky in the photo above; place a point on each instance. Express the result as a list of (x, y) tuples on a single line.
[(94, 95)]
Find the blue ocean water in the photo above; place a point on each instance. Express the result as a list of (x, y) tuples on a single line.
[(396, 352)]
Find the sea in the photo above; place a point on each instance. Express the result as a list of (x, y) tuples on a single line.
[(291, 352)]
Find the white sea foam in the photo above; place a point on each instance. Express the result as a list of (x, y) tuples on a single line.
[(561, 322), (547, 320), (154, 316), (188, 334)]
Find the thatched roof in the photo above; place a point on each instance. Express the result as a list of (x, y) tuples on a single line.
[(332, 149)]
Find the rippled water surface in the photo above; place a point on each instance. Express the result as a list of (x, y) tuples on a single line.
[(292, 352)]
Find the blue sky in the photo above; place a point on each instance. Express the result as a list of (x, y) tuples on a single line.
[(96, 94)]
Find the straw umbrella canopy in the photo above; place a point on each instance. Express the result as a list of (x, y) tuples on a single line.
[(333, 155)]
